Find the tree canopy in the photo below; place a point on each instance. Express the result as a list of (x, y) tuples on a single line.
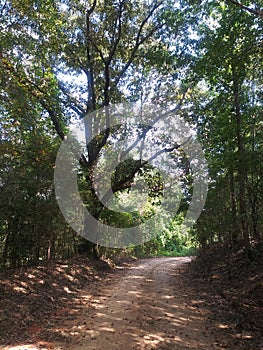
[(62, 60)]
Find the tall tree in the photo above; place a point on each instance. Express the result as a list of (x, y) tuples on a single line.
[(73, 57), (230, 69)]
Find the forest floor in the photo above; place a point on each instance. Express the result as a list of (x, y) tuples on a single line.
[(157, 303)]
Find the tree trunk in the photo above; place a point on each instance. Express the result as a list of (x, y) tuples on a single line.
[(234, 226), (51, 247), (241, 166)]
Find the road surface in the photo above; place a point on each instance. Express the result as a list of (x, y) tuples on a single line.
[(147, 309)]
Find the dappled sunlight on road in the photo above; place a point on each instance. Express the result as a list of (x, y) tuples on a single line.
[(148, 309), (144, 308)]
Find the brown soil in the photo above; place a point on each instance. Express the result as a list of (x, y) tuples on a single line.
[(148, 308), (150, 304), (231, 286)]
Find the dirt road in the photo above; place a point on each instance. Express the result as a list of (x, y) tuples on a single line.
[(147, 308)]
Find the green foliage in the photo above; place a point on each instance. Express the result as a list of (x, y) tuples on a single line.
[(229, 108), (170, 242), (63, 59), (30, 222)]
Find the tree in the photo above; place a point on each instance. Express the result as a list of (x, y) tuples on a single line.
[(73, 57), (229, 115)]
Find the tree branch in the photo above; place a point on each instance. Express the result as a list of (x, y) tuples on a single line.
[(150, 126), (93, 43), (255, 12), (73, 104), (167, 150), (116, 42), (139, 41), (91, 102), (55, 121), (127, 180), (90, 69), (92, 8)]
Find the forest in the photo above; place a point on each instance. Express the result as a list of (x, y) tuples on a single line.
[(63, 60), (66, 64)]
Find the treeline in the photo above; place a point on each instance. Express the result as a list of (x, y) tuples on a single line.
[(230, 124), (66, 59)]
